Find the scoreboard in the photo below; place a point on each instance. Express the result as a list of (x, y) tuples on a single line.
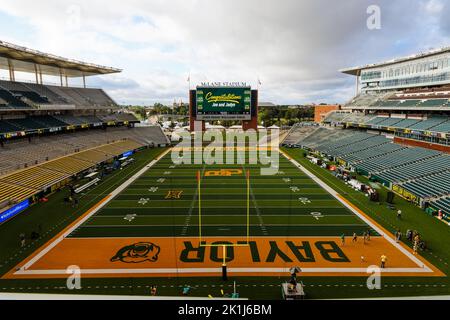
[(223, 103)]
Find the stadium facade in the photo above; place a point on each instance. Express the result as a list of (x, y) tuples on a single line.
[(406, 97), (421, 70)]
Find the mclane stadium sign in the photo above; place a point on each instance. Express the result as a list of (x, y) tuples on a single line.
[(223, 84), (227, 103)]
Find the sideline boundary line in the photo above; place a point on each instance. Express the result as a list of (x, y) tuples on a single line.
[(216, 270)]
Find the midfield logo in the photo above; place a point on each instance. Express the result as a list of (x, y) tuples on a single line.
[(222, 172), (173, 194)]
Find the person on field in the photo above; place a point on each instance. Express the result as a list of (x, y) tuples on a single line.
[(398, 236), (383, 261), (355, 237), (368, 234), (399, 214), (22, 239), (416, 244), (343, 239)]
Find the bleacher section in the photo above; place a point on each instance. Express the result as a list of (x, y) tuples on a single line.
[(433, 186), (395, 159), (442, 204), (58, 121), (21, 95), (322, 135), (402, 100), (354, 144), (11, 101), (298, 132), (440, 124), (406, 123), (422, 172), (367, 154), (367, 99), (388, 122), (428, 124), (18, 154), (419, 109), (417, 169), (14, 192), (22, 184)]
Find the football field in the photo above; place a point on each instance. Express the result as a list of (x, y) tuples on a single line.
[(187, 220)]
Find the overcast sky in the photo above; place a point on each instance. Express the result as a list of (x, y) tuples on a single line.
[(295, 47)]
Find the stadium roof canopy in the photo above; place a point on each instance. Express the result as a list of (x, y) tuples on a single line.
[(356, 71), (28, 60)]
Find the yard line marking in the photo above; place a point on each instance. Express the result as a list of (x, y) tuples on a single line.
[(262, 226), (191, 207), (212, 237), (222, 207), (255, 204), (218, 215)]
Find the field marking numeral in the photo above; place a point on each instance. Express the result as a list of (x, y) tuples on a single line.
[(130, 217), (143, 201), (304, 200), (317, 215)]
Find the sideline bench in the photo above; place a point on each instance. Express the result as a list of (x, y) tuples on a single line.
[(87, 185)]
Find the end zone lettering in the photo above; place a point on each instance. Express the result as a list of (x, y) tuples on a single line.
[(287, 251)]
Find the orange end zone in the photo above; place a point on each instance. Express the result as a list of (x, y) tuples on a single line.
[(405, 247), (263, 256)]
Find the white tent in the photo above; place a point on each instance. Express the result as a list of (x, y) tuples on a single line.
[(214, 127)]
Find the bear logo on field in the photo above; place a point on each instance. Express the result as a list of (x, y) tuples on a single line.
[(137, 252)]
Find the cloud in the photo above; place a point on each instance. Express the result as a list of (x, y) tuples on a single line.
[(295, 47)]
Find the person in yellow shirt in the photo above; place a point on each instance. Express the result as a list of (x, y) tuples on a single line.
[(383, 261)]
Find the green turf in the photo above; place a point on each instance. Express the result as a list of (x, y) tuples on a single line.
[(276, 209)]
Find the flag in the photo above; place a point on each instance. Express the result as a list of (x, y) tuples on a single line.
[(259, 82)]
